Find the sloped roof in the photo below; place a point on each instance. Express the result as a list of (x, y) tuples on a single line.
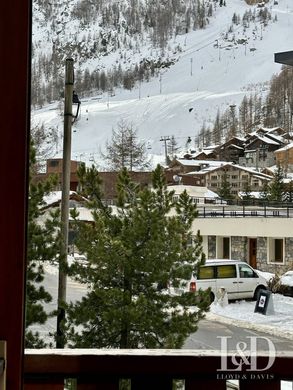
[(240, 167), (54, 198), (193, 191), (195, 163), (284, 148)]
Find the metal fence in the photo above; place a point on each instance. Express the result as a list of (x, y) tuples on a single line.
[(245, 212)]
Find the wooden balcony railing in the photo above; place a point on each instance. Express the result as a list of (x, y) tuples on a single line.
[(150, 370)]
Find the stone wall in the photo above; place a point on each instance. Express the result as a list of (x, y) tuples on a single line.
[(262, 260), (289, 253), (239, 248), (239, 251)]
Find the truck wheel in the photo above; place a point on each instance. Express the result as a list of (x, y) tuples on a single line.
[(257, 291)]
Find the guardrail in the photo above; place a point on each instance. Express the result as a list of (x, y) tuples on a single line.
[(244, 212), (151, 369)]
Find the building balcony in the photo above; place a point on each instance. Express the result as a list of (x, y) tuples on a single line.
[(153, 369)]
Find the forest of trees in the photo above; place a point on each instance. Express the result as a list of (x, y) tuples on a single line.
[(275, 110), (122, 26)]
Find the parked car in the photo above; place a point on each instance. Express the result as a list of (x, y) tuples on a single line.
[(238, 278), (286, 282)]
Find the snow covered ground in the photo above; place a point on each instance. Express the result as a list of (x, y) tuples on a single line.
[(239, 313), (220, 77)]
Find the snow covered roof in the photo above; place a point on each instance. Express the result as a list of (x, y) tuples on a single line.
[(267, 140), (193, 191), (278, 138), (55, 197), (240, 167), (201, 162), (236, 146), (284, 148), (253, 194)]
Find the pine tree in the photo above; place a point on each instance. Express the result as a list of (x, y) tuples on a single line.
[(42, 245), (225, 189), (124, 150), (289, 192), (133, 254), (276, 187), (247, 192), (172, 147), (265, 192), (217, 131)]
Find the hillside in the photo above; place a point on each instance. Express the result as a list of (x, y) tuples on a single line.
[(214, 68)]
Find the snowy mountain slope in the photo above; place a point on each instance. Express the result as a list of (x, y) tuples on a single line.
[(209, 75)]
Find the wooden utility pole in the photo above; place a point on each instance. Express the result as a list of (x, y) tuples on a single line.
[(68, 118)]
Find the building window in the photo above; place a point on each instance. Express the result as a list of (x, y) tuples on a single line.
[(276, 250), (54, 163), (195, 200), (223, 247), (214, 177), (234, 177)]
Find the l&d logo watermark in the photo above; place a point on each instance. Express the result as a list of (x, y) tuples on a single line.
[(244, 359)]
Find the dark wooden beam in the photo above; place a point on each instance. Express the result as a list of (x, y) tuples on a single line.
[(285, 58), (15, 36)]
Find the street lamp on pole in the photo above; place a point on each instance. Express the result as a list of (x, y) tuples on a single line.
[(70, 98)]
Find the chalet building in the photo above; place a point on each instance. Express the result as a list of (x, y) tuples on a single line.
[(109, 179), (259, 152), (264, 243), (284, 157), (274, 131), (184, 166), (260, 147), (55, 166), (109, 183), (208, 153), (236, 175), (232, 150), (199, 195)]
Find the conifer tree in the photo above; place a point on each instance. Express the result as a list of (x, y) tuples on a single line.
[(265, 192), (124, 150), (42, 245), (276, 187), (133, 253), (173, 147), (217, 130), (289, 192), (225, 189), (247, 192)]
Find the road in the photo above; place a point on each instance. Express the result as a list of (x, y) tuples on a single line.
[(210, 332)]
